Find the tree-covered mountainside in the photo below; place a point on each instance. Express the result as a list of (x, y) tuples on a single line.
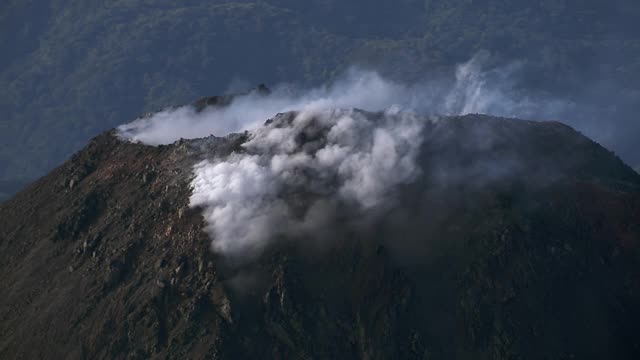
[(70, 69)]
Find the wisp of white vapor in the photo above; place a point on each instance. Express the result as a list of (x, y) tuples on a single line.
[(320, 151), (472, 91)]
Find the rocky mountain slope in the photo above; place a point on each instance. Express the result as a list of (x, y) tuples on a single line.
[(520, 240)]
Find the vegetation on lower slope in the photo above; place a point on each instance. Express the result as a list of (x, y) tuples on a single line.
[(71, 69)]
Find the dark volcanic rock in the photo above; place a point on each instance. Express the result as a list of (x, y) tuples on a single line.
[(520, 240)]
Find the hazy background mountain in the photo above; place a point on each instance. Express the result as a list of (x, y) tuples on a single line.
[(70, 69)]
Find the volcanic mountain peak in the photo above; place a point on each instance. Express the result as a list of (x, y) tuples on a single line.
[(514, 239)]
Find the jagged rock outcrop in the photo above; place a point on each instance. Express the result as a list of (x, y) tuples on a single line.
[(520, 240)]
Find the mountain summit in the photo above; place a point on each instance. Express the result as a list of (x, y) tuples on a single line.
[(488, 238)]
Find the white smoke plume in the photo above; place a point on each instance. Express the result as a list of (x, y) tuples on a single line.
[(326, 155)]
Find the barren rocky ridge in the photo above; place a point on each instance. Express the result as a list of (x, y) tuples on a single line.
[(103, 258)]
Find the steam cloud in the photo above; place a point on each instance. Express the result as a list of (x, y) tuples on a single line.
[(320, 151), (323, 156)]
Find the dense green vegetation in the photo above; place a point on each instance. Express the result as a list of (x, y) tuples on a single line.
[(71, 69)]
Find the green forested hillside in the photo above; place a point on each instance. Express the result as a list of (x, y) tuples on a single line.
[(70, 69)]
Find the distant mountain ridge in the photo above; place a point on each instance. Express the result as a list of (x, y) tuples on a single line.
[(73, 69)]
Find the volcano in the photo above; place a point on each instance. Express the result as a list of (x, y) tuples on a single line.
[(513, 239)]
